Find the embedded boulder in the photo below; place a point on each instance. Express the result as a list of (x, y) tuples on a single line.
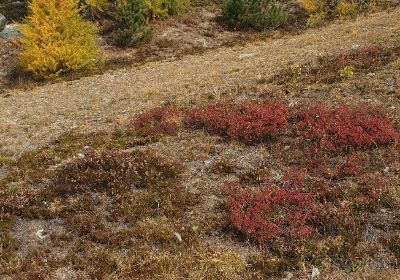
[(10, 32), (3, 22)]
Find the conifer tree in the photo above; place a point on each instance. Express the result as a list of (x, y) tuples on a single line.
[(57, 39), (130, 23)]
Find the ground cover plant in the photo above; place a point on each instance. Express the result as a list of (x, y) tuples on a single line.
[(248, 123), (111, 193), (333, 68), (269, 178)]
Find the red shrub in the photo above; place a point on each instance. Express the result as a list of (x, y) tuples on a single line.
[(351, 167), (158, 121), (368, 194), (345, 129), (271, 213), (295, 178), (247, 122)]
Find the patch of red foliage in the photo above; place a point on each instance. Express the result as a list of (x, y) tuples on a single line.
[(161, 120), (264, 214), (249, 123), (351, 167), (345, 129), (369, 193)]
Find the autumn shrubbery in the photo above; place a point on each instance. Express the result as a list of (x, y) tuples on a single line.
[(161, 120), (345, 129), (113, 172), (332, 68), (319, 11), (342, 129), (154, 9), (57, 40), (247, 122), (302, 207), (271, 212)]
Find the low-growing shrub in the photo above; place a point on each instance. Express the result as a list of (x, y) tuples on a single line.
[(345, 129), (256, 14), (319, 11), (177, 7), (162, 120), (271, 212), (247, 123), (351, 167), (56, 39), (154, 9), (347, 8), (130, 24), (347, 72), (113, 172), (330, 68)]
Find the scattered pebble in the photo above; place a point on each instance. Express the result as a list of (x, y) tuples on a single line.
[(289, 276), (287, 147), (178, 236), (315, 273), (41, 233), (386, 169)]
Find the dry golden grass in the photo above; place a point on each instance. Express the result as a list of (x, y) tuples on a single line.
[(30, 118)]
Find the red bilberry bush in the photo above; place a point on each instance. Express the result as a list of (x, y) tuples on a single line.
[(249, 123), (344, 129), (351, 167), (270, 213), (161, 120)]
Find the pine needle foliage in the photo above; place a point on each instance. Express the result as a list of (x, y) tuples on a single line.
[(130, 23), (253, 14), (56, 39)]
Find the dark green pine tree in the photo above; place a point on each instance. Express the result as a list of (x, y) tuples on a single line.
[(130, 23)]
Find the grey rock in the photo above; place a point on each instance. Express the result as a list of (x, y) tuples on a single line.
[(3, 22), (41, 234), (315, 273), (178, 236), (4, 172), (289, 276), (10, 32)]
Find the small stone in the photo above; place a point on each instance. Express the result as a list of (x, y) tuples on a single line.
[(246, 55), (4, 172), (80, 155), (386, 169), (10, 32), (41, 234), (288, 276), (315, 273), (178, 236), (287, 147)]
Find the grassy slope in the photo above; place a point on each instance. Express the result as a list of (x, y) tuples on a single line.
[(125, 233), (32, 118)]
